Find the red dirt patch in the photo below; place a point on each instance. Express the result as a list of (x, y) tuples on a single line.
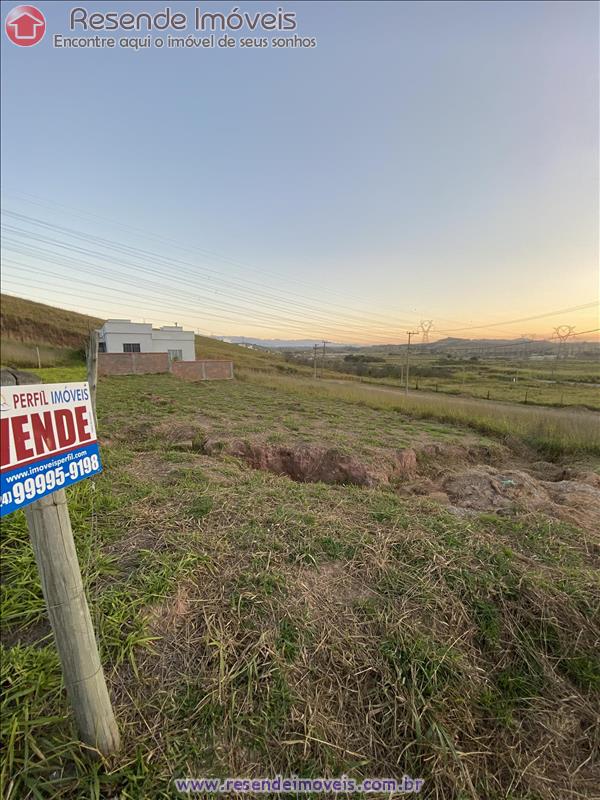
[(406, 463), (305, 463), (432, 471)]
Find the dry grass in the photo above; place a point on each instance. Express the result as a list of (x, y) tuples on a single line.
[(26, 321), (554, 431), (406, 640), (23, 354), (253, 625)]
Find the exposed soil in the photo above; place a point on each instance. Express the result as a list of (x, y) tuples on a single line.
[(486, 489), (309, 463), (451, 474), (126, 551), (305, 463), (36, 635)]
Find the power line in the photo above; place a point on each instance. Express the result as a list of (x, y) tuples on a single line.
[(28, 248), (527, 319), (170, 261), (272, 311), (52, 257), (145, 305), (78, 213), (582, 333)]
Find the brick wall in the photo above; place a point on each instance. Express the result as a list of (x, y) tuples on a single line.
[(209, 370), (218, 370), (132, 363)]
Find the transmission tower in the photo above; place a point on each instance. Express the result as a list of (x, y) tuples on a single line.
[(528, 340), (562, 333), (424, 327)]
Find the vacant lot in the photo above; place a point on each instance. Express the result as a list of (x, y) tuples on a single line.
[(289, 582)]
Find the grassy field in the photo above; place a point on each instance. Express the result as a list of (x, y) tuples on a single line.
[(572, 381), (552, 432), (60, 337), (253, 625), (564, 382)]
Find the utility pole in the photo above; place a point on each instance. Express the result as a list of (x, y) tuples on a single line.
[(323, 361), (410, 333), (315, 348)]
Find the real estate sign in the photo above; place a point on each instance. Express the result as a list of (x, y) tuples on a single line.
[(47, 441)]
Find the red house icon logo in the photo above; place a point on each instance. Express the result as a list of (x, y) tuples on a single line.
[(25, 25)]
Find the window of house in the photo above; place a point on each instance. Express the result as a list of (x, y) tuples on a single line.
[(101, 347), (175, 355), (131, 347)]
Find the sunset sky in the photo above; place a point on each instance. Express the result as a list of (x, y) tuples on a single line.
[(423, 161)]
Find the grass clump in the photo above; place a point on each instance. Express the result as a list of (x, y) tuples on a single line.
[(425, 669)]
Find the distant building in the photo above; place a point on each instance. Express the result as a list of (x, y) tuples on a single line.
[(124, 336)]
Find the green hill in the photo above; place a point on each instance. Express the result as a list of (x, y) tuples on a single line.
[(25, 321), (60, 337), (29, 328)]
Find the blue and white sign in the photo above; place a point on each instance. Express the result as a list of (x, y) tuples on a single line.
[(47, 441)]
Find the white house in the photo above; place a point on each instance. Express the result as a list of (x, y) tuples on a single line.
[(124, 336)]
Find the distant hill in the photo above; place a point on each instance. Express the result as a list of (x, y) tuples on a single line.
[(242, 357), (59, 336), (285, 344), (448, 344), (452, 344), (450, 341)]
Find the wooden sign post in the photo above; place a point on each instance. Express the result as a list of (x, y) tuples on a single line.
[(52, 541)]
